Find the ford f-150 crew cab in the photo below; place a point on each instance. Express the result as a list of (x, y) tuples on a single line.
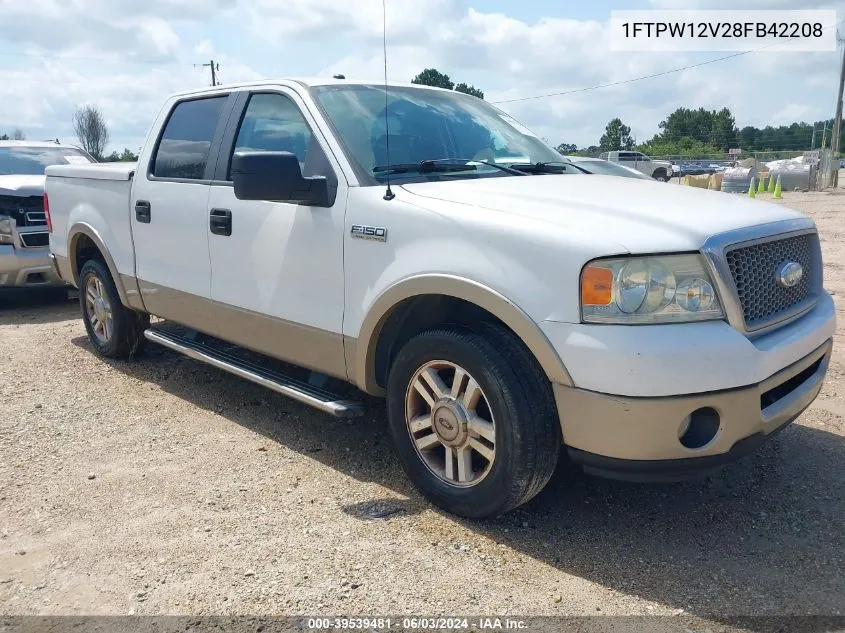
[(327, 238)]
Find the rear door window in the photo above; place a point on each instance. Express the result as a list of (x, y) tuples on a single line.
[(186, 142)]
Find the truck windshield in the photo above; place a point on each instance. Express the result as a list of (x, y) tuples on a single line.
[(31, 161), (428, 126)]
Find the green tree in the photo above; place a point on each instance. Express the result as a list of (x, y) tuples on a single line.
[(566, 148), (433, 77), (716, 128), (592, 151), (685, 146), (470, 90), (723, 132), (616, 136), (125, 157)]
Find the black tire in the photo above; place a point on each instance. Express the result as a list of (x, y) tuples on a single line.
[(127, 337), (661, 175), (519, 395)]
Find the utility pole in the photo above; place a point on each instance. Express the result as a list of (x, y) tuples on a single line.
[(837, 122), (214, 68)]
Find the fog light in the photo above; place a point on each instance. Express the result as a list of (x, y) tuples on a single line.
[(699, 427)]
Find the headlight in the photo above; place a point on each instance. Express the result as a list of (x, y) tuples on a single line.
[(662, 289), (7, 224)]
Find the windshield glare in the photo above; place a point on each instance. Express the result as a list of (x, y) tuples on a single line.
[(425, 125), (31, 161)]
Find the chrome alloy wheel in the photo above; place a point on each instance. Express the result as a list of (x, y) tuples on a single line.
[(99, 309), (450, 423)]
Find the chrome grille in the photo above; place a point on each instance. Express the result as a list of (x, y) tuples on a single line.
[(32, 240), (755, 269)]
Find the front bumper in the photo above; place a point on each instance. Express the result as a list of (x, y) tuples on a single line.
[(27, 268), (643, 439), (624, 417)]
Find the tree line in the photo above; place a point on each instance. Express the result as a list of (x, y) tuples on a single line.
[(701, 132)]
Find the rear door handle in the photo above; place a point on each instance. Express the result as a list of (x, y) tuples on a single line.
[(143, 211), (220, 222)]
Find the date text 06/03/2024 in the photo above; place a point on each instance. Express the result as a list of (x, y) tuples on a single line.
[(416, 624)]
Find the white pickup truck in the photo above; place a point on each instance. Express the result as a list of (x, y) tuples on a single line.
[(327, 238)]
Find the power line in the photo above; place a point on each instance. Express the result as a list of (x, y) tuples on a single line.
[(660, 74)]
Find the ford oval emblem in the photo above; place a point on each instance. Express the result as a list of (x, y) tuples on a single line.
[(789, 274)]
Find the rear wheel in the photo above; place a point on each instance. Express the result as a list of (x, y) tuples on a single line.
[(473, 421), (114, 330), (661, 175)]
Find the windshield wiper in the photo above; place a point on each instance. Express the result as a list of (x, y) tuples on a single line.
[(430, 165), (547, 167)]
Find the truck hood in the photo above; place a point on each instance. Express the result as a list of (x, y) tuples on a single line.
[(641, 215), (21, 185)]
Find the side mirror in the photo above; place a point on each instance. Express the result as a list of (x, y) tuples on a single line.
[(276, 177)]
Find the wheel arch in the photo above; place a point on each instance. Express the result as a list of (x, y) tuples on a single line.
[(81, 238), (383, 323)]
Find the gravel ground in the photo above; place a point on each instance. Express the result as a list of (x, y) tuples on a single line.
[(164, 486)]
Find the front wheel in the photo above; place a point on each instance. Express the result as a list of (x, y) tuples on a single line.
[(114, 330), (473, 421)]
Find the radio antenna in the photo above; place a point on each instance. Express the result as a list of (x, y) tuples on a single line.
[(388, 195)]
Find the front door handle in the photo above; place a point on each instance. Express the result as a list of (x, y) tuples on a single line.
[(220, 222), (143, 211)]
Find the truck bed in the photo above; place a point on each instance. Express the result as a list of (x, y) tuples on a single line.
[(96, 197), (94, 171)]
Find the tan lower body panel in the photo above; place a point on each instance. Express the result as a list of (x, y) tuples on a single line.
[(181, 307), (64, 269), (297, 344), (627, 428), (132, 291)]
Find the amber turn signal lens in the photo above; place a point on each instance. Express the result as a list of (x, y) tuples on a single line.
[(596, 286)]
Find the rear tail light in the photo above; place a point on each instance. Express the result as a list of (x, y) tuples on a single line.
[(47, 213)]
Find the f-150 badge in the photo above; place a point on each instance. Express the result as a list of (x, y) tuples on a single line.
[(363, 232)]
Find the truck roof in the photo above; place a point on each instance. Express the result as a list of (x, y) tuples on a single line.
[(306, 82)]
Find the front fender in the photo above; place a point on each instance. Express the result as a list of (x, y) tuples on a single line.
[(361, 356)]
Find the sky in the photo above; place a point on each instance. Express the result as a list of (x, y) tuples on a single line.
[(126, 57)]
